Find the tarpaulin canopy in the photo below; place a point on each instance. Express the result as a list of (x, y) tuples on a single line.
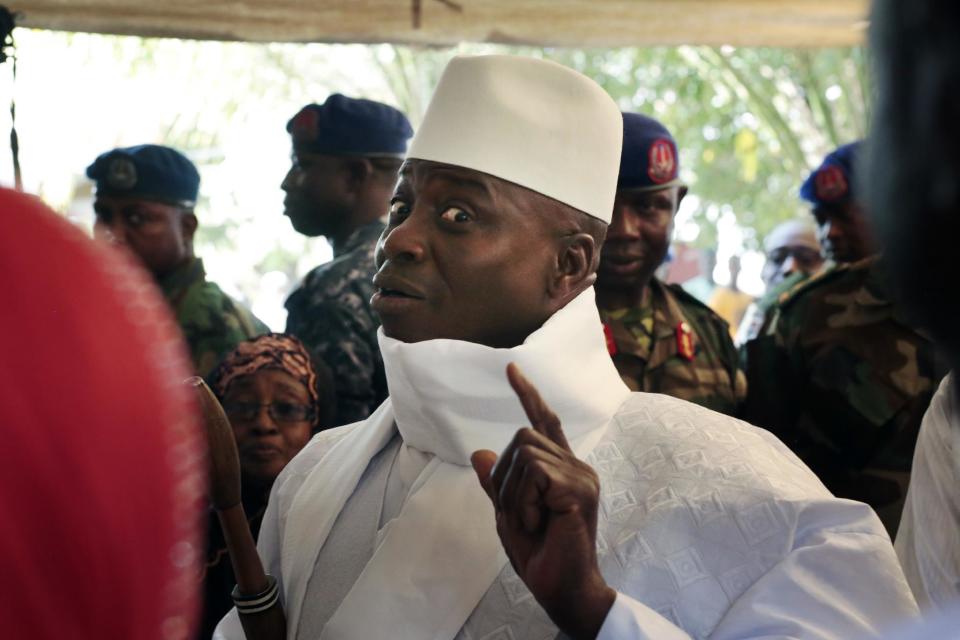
[(581, 23)]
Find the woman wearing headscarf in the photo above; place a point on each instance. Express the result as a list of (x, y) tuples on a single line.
[(102, 480), (276, 398)]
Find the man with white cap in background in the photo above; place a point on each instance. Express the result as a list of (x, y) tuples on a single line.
[(617, 515), (793, 254)]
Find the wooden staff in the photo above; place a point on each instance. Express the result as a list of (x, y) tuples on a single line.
[(256, 594)]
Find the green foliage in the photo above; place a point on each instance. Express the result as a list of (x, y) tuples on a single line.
[(750, 123)]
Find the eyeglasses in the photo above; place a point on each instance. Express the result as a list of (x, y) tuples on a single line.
[(804, 256), (279, 411)]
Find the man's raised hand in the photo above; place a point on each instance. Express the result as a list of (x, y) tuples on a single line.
[(546, 503)]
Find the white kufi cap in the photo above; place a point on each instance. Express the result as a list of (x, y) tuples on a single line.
[(532, 122)]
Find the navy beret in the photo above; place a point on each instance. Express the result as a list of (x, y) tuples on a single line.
[(148, 171), (649, 159), (350, 126), (832, 182)]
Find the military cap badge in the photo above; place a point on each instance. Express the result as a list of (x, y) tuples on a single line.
[(830, 184), (121, 173), (304, 127), (662, 166)]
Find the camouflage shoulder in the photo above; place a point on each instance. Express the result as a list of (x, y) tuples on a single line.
[(772, 295), (693, 308), (818, 280), (349, 271)]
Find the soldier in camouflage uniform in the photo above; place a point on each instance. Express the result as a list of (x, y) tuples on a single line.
[(661, 338), (842, 375), (144, 202), (842, 230), (346, 153)]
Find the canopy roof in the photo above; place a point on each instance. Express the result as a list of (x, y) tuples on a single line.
[(580, 23)]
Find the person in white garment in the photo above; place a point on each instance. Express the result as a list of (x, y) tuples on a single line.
[(913, 167), (589, 511)]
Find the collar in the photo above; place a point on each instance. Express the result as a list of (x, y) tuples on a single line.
[(451, 397), (175, 283), (367, 234)]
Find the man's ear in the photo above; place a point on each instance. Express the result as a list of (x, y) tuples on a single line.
[(681, 194), (575, 267), (188, 224)]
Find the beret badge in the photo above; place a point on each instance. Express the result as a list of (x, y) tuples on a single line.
[(121, 173), (305, 125), (662, 166), (830, 184)]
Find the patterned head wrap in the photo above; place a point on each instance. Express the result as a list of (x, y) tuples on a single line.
[(269, 351)]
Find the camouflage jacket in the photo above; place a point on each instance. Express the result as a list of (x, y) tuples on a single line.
[(677, 346), (331, 314), (843, 377), (757, 316), (212, 322)]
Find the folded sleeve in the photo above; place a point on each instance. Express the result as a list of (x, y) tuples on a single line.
[(835, 586), (631, 619), (837, 583)]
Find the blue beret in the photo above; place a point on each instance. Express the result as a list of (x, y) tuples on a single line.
[(649, 159), (832, 182), (148, 171), (350, 126)]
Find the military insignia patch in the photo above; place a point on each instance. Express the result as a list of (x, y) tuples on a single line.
[(831, 184), (611, 343), (685, 341), (305, 126), (662, 165), (122, 173)]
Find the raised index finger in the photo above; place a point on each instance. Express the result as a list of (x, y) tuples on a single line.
[(542, 418)]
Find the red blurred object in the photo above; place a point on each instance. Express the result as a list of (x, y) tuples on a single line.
[(103, 471)]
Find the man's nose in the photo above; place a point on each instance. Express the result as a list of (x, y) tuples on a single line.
[(289, 180), (831, 231), (789, 266), (404, 242), (625, 223)]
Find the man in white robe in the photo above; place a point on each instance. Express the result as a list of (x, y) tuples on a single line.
[(618, 514), (927, 538)]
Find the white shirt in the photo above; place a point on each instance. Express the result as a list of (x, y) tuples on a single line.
[(928, 541)]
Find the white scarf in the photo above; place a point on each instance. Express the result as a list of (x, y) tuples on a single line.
[(449, 398)]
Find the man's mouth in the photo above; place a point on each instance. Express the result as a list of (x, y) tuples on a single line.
[(620, 263), (394, 293), (389, 286)]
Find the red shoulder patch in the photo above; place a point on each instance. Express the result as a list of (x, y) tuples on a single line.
[(611, 343), (685, 342)]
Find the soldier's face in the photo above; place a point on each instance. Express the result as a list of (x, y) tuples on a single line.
[(465, 256), (316, 199), (844, 232), (159, 235), (266, 443), (638, 237)]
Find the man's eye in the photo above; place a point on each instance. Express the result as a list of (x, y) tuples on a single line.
[(399, 210), (456, 214), (136, 219)]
